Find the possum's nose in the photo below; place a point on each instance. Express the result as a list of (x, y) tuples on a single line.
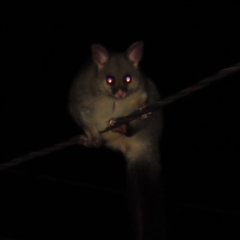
[(120, 94)]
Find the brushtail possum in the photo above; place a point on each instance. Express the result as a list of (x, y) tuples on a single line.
[(113, 86)]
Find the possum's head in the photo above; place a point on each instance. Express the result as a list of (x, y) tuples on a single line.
[(118, 74)]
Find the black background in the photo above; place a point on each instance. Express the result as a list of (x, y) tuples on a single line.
[(78, 193)]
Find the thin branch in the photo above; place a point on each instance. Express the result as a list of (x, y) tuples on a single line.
[(41, 153), (119, 121), (183, 93)]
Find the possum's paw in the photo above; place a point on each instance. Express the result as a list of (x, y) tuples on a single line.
[(144, 116), (111, 122), (85, 141), (120, 129)]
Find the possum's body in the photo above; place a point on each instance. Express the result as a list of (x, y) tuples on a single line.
[(111, 87)]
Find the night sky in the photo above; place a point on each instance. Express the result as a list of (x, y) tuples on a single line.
[(79, 193)]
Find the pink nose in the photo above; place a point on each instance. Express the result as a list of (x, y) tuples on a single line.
[(120, 94)]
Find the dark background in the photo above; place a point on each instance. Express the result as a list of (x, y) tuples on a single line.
[(79, 193)]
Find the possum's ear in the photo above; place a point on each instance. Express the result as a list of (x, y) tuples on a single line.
[(99, 54), (134, 52)]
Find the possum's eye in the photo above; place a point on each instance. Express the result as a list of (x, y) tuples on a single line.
[(110, 80), (127, 79)]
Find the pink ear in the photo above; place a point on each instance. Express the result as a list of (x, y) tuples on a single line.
[(134, 52), (99, 53)]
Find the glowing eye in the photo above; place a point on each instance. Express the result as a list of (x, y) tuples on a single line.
[(110, 80), (128, 79)]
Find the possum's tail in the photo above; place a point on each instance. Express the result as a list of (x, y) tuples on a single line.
[(146, 199)]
